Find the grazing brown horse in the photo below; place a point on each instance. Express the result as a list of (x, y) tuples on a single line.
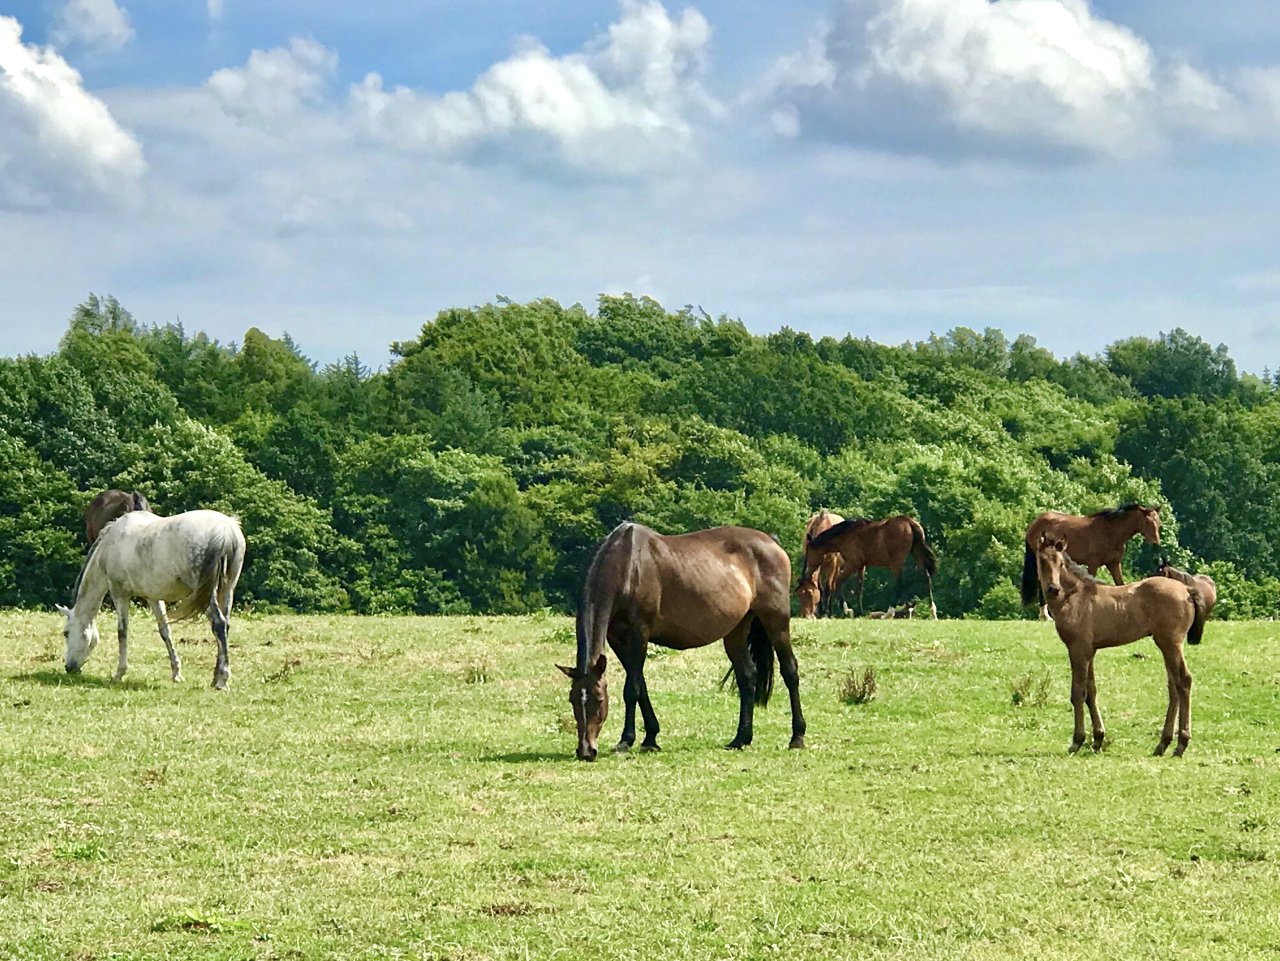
[(107, 506), (1090, 615), (862, 543), (1097, 540), (682, 592), (824, 577), (1201, 583)]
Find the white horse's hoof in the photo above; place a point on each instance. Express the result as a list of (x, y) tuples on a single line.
[(178, 678)]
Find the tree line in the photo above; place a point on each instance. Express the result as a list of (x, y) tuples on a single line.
[(476, 472)]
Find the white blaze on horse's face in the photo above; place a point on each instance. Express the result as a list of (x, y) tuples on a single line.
[(81, 640)]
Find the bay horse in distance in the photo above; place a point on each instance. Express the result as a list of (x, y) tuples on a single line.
[(822, 579), (860, 543), (1096, 540), (1089, 616), (191, 560), (1202, 583), (682, 592), (107, 506)]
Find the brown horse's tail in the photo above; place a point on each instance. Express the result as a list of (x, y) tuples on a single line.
[(1030, 579), (762, 653), (1202, 615), (921, 550)]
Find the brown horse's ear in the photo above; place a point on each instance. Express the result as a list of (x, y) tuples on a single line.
[(598, 667), (568, 671)]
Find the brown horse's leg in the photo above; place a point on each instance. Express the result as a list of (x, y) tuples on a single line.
[(744, 672), (1116, 574), (1171, 675), (1079, 682), (1183, 678), (779, 631), (1095, 716)]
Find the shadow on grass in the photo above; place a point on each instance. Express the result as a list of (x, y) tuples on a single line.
[(52, 678)]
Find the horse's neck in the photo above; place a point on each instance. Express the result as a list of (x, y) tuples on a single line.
[(1127, 525), (92, 587)]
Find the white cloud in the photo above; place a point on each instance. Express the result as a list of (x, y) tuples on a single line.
[(973, 77), (275, 82), (93, 23), (626, 101), (60, 140), (215, 9)]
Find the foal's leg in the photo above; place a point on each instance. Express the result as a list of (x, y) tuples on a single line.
[(1095, 716), (121, 604), (162, 622), (221, 668), (1179, 677), (1079, 684), (744, 672), (779, 631)]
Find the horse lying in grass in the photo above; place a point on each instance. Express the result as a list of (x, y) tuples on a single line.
[(860, 543), (1202, 583), (1097, 540), (1090, 615), (682, 592), (191, 560), (106, 507), (822, 580)]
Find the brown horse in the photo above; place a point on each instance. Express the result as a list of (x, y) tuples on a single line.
[(1201, 583), (107, 506), (1090, 615), (682, 592), (1097, 540), (824, 577), (862, 543)]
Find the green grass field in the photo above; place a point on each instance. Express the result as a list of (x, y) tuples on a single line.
[(405, 788)]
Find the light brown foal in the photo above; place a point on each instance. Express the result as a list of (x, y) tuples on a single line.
[(1090, 615)]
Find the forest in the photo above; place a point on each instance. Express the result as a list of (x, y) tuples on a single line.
[(476, 472)]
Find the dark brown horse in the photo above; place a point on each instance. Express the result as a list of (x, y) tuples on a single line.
[(1090, 615), (1202, 583), (107, 506), (1097, 540), (825, 576), (682, 592), (862, 543)]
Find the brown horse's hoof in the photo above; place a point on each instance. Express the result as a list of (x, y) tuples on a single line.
[(1160, 749), (622, 747), (1177, 751), (650, 747), (1075, 746), (796, 744), (1098, 744), (734, 746)]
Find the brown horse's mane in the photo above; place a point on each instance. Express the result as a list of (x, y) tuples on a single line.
[(1080, 571), (1118, 511), (831, 533)]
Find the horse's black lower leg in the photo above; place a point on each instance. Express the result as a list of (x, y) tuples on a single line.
[(790, 671), (650, 742), (222, 667), (630, 695), (745, 674)]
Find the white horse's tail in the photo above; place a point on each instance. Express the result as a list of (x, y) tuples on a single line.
[(224, 554)]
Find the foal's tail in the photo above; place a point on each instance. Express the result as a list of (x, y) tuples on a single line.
[(921, 550), (1030, 579), (1202, 615)]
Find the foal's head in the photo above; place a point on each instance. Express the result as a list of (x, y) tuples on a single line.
[(809, 595), (81, 636), (1149, 524), (589, 695), (1051, 564)]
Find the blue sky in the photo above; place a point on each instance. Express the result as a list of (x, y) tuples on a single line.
[(888, 168)]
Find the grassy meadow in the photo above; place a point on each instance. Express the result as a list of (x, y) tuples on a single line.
[(406, 788)]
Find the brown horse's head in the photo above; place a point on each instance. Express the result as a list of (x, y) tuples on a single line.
[(1163, 568), (1149, 524), (809, 595), (589, 695), (1051, 561)]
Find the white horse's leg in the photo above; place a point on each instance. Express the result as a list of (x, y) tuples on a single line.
[(162, 622), (221, 668), (121, 604)]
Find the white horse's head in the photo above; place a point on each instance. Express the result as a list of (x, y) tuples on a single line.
[(82, 638)]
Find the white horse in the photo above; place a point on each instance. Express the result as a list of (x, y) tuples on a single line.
[(191, 560)]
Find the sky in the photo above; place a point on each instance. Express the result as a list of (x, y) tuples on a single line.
[(1079, 172)]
